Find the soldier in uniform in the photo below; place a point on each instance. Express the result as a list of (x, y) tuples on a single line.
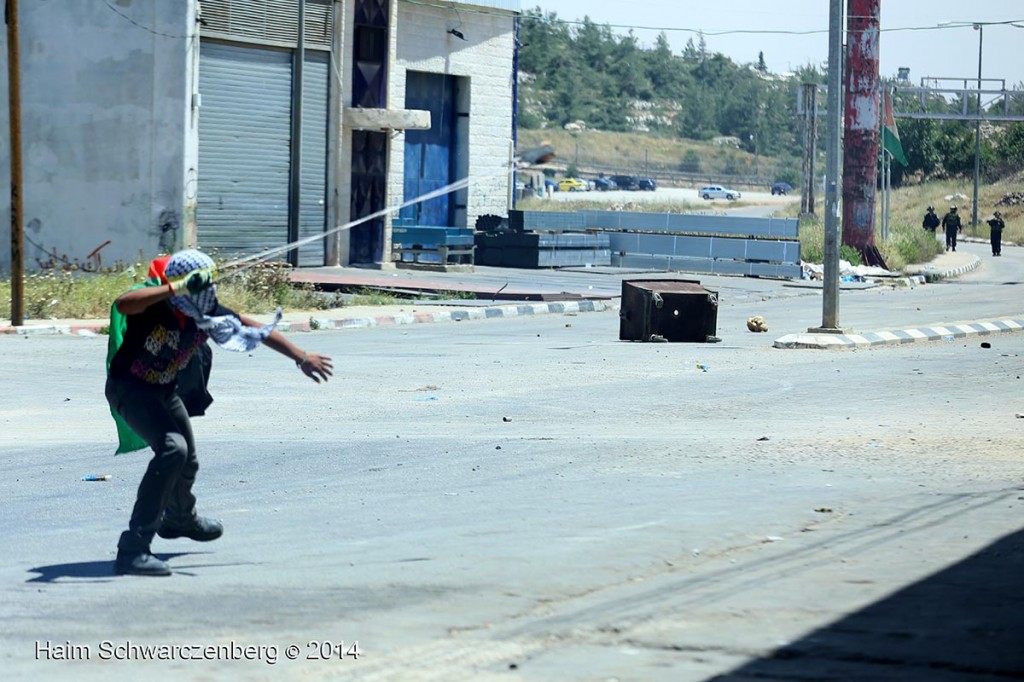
[(995, 226), (951, 223), (931, 220)]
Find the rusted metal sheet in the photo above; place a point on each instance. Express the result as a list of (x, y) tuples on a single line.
[(860, 140)]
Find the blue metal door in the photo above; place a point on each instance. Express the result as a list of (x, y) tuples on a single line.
[(429, 158)]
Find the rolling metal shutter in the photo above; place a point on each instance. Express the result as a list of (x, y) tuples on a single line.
[(244, 150), (244, 154)]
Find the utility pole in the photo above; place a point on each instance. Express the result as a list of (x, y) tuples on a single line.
[(977, 131), (860, 143), (810, 104), (17, 202), (833, 183)]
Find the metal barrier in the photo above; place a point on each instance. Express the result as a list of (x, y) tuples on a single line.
[(730, 245)]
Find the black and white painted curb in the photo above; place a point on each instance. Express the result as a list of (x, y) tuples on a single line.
[(484, 313), (91, 328), (947, 333), (933, 274)]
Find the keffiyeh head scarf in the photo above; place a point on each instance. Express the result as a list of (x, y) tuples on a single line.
[(181, 265), (227, 331)]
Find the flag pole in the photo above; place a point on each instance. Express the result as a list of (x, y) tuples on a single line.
[(887, 161)]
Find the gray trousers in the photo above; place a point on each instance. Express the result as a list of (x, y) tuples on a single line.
[(165, 493)]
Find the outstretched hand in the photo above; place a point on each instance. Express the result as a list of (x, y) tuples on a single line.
[(316, 367)]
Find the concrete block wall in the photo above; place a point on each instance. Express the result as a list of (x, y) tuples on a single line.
[(106, 115), (485, 58)]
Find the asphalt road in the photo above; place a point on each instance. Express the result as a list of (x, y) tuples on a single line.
[(531, 499)]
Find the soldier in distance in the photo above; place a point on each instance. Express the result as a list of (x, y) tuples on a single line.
[(952, 225)]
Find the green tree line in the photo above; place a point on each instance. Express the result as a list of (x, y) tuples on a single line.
[(946, 148), (585, 71)]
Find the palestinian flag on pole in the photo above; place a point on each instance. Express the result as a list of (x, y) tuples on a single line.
[(890, 136)]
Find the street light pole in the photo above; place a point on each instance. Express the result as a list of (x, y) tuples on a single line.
[(977, 130), (833, 182)]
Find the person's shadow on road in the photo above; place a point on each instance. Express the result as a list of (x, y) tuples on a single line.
[(97, 571)]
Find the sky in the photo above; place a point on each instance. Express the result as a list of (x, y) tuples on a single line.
[(946, 52)]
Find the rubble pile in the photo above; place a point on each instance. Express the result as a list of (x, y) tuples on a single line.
[(1011, 199)]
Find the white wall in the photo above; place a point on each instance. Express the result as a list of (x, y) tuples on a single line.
[(108, 136), (485, 59)]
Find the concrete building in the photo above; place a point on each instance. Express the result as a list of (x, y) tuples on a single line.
[(151, 125)]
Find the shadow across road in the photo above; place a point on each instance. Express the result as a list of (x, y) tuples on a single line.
[(100, 571), (965, 622)]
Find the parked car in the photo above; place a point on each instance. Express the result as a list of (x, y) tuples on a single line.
[(572, 185), (630, 182), (648, 184), (604, 184), (718, 192), (781, 188)]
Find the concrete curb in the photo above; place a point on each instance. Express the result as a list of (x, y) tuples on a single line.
[(487, 313), (928, 273), (885, 338), (901, 336), (84, 329), (314, 323)]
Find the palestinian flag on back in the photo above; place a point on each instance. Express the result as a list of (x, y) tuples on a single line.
[(891, 136), (128, 440)]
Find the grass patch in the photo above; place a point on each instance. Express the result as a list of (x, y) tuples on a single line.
[(77, 295), (263, 288), (373, 297), (643, 153), (908, 243), (456, 295), (909, 203)]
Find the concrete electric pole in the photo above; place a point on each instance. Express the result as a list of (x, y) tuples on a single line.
[(833, 183)]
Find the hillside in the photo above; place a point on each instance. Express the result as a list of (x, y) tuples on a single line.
[(671, 107), (671, 159)]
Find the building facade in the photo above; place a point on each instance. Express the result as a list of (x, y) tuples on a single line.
[(149, 126)]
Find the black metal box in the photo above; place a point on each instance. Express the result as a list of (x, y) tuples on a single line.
[(542, 249), (668, 310)]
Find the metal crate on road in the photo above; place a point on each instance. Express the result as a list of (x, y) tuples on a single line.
[(668, 310)]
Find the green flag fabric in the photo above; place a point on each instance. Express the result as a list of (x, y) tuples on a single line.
[(128, 440), (890, 135)]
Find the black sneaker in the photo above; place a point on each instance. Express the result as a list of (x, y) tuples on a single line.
[(142, 563), (201, 530)]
